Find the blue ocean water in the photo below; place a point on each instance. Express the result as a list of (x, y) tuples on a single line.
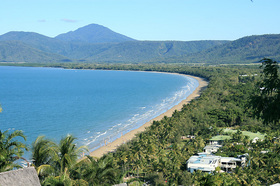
[(93, 105)]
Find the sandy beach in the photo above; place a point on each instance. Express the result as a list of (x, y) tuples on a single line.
[(130, 135)]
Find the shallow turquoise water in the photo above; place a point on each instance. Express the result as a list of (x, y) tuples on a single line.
[(92, 105)]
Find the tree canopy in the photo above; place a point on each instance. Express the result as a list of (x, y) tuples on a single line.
[(11, 149), (266, 99)]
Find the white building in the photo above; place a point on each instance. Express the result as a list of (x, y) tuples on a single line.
[(255, 140), (204, 162), (229, 163), (209, 162), (211, 148)]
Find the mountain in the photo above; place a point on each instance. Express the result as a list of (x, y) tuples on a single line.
[(38, 41), (147, 51), (95, 43), (30, 37), (93, 33), (127, 52), (16, 51), (244, 50)]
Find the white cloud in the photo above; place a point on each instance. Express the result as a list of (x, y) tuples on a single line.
[(69, 20), (42, 20)]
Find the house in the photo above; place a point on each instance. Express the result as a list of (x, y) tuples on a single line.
[(254, 140), (209, 162), (190, 136), (218, 140), (229, 164), (211, 148), (204, 162), (20, 177)]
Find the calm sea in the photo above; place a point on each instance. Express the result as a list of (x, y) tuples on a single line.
[(92, 105)]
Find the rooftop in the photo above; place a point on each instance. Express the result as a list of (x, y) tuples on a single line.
[(230, 159), (203, 158), (20, 177)]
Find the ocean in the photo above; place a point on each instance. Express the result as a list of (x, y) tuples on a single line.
[(92, 105)]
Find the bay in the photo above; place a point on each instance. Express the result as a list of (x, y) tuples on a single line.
[(92, 105)]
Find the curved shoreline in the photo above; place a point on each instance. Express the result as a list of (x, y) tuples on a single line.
[(110, 147)]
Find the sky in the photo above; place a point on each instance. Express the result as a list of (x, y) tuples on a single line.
[(182, 20)]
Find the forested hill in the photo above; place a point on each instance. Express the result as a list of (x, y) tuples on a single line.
[(245, 50), (15, 51), (125, 52), (141, 51), (95, 43), (93, 33)]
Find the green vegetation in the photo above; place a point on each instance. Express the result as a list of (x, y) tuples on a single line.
[(10, 149), (244, 50), (92, 43), (220, 138), (50, 50), (51, 159), (158, 155), (251, 135), (93, 33), (267, 95), (83, 46), (16, 51)]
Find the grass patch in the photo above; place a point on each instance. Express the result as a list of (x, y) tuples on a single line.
[(247, 133), (220, 138)]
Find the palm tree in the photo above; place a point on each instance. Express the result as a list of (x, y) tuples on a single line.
[(63, 180), (68, 152), (43, 155), (55, 160), (10, 149), (99, 172), (42, 151), (57, 181)]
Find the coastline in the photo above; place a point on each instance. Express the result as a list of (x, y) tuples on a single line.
[(130, 135)]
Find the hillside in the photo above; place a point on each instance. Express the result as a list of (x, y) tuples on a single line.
[(95, 43), (93, 33), (126, 52), (244, 50), (148, 51), (38, 41), (15, 51)]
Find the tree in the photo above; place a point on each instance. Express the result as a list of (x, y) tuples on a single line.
[(62, 180), (55, 159), (99, 172), (10, 149), (43, 151), (43, 155), (68, 152), (266, 101)]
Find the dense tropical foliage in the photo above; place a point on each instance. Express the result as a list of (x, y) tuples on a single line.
[(266, 101), (51, 159), (158, 155), (11, 149)]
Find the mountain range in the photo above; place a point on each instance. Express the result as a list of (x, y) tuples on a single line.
[(96, 43)]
